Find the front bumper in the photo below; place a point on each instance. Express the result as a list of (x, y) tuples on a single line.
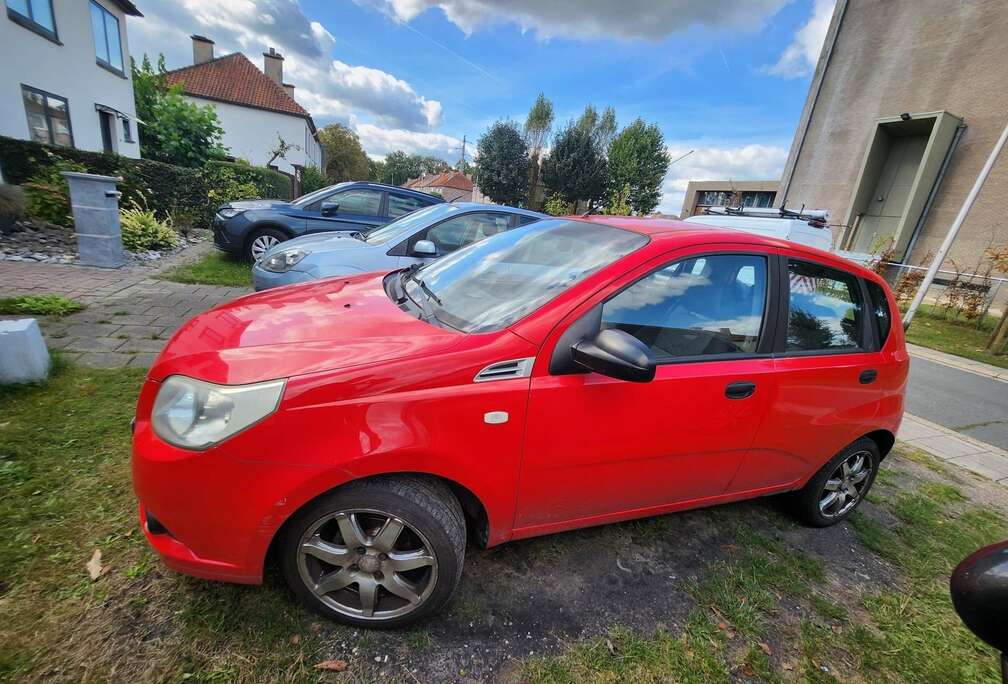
[(264, 280)]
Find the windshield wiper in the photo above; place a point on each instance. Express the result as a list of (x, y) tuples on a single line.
[(411, 275), (424, 304)]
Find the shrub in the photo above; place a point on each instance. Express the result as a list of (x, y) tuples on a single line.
[(556, 206), (312, 179), (39, 305), (49, 195), (12, 205), (142, 230)]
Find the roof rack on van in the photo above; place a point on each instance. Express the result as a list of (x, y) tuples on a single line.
[(816, 217)]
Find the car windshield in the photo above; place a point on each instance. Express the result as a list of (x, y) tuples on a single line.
[(493, 283), (305, 200), (421, 218)]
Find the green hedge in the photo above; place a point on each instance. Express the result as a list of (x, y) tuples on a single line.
[(165, 188)]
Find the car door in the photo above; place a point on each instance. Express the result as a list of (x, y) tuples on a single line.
[(829, 375), (455, 233), (598, 448), (356, 209)]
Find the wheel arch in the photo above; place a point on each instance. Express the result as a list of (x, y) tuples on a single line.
[(259, 225), (884, 439), (476, 517)]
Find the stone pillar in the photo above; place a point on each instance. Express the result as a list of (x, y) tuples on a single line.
[(95, 203)]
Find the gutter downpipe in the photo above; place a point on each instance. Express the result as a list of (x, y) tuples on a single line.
[(960, 129), (786, 183)]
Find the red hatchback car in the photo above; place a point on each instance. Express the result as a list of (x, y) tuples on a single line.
[(562, 374)]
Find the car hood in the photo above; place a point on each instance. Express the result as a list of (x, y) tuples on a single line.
[(252, 205), (321, 242), (323, 325)]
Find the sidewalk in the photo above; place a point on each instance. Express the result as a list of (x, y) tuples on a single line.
[(130, 314), (963, 364), (952, 447)]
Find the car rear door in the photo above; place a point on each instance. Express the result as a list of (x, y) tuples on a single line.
[(832, 380), (598, 448)]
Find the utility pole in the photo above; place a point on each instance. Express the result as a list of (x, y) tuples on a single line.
[(954, 230), (462, 159)]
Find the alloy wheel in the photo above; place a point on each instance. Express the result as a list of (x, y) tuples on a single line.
[(367, 564), (846, 485), (261, 245)]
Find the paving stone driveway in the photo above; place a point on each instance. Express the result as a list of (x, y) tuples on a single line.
[(130, 314)]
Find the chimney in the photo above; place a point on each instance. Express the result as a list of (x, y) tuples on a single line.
[(202, 49), (273, 66), (289, 87)]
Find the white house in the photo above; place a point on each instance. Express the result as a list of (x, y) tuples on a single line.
[(65, 79), (254, 107)]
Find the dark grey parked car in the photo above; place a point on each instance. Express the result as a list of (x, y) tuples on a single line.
[(249, 228)]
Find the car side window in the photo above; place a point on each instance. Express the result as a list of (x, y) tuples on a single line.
[(364, 202), (400, 205), (524, 220), (694, 307), (824, 309), (465, 230), (880, 311)]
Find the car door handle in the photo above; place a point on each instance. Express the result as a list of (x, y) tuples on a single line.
[(868, 376), (740, 390)]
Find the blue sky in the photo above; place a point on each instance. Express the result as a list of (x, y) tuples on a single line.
[(725, 78)]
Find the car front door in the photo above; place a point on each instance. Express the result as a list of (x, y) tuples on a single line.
[(355, 209), (598, 448), (832, 381), (453, 234)]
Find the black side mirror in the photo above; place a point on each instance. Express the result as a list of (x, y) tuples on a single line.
[(979, 587), (330, 208), (616, 354)]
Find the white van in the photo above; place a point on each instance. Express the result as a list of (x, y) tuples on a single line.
[(805, 227)]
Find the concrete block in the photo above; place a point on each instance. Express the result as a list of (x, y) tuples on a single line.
[(23, 353), (95, 203)]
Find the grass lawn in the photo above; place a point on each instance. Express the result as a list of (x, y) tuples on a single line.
[(931, 329), (215, 268), (40, 305), (733, 593)]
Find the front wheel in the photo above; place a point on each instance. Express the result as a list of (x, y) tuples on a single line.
[(840, 486), (261, 241), (377, 553)]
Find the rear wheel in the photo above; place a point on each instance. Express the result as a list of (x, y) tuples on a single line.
[(377, 553), (260, 241), (840, 486)]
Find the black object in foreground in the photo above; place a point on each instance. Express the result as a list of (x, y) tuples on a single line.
[(979, 587)]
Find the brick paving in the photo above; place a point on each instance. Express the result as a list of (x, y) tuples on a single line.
[(130, 313)]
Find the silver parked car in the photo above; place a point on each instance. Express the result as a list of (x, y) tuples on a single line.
[(422, 236)]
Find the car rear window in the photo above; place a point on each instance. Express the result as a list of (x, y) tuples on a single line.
[(880, 311), (825, 309)]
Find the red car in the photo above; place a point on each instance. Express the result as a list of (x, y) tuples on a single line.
[(559, 375)]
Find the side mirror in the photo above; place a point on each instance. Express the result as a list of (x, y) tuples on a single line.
[(330, 208), (424, 248), (616, 354), (979, 587)]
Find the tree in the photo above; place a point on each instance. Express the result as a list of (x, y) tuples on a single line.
[(175, 130), (345, 159), (377, 171), (502, 164), (601, 129), (638, 159), (281, 150), (401, 167), (537, 128), (431, 165), (576, 168)]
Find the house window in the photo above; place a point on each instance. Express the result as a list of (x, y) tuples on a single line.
[(108, 48), (36, 15), (127, 130), (48, 117)]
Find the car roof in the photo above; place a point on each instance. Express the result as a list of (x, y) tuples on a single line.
[(676, 232)]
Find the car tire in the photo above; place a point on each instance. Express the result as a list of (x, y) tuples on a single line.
[(337, 558), (836, 491), (259, 240)]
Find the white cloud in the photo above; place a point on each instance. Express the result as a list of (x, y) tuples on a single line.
[(378, 142), (800, 57), (633, 19), (326, 88), (746, 162)]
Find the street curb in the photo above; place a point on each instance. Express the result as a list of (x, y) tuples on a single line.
[(959, 363), (961, 450)]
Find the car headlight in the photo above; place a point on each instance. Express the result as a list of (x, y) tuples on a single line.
[(229, 212), (283, 261), (194, 414)]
